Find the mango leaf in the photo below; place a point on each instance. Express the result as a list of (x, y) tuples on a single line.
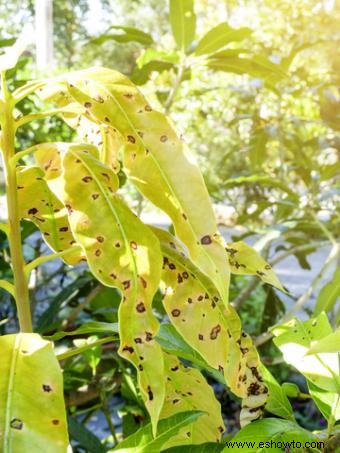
[(244, 260), (157, 55), (183, 22), (220, 36), (328, 403), (210, 327), (123, 253), (38, 204), (329, 294), (277, 403), (10, 56), (142, 441), (84, 436), (330, 343), (257, 66), (155, 159), (262, 180), (87, 328), (32, 411), (124, 34), (186, 390), (172, 342), (270, 429), (294, 339)]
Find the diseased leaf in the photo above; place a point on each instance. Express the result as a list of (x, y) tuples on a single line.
[(244, 260), (142, 441), (32, 411), (121, 252), (183, 22), (220, 36), (294, 340), (277, 403), (156, 161), (210, 327), (186, 389), (38, 204)]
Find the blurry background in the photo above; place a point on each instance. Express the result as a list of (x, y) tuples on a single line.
[(260, 111)]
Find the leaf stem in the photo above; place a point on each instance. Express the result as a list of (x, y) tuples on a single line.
[(14, 232)]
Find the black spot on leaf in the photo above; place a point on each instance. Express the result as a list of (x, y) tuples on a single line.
[(206, 240), (140, 307), (150, 394), (32, 211), (46, 388), (16, 423)]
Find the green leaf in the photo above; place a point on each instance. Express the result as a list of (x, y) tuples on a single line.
[(294, 339), (330, 343), (38, 204), (84, 436), (142, 441), (290, 389), (328, 403), (124, 34), (244, 260), (87, 328), (156, 55), (155, 159), (277, 403), (257, 66), (121, 252), (269, 429), (187, 389), (220, 36), (183, 22), (329, 294), (32, 411)]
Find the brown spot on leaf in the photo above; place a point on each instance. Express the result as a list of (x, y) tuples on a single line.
[(87, 179), (128, 349), (174, 368), (163, 138), (63, 229), (200, 337), (148, 336), (150, 394), (140, 367), (87, 105), (206, 240), (100, 238), (140, 307), (179, 278), (176, 400), (138, 340), (46, 388), (147, 108), (55, 421), (16, 423), (133, 245), (185, 275), (143, 282), (32, 211), (175, 312), (215, 331), (95, 196), (189, 300), (131, 139), (98, 252), (126, 284)]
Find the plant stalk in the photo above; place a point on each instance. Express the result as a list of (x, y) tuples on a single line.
[(14, 233)]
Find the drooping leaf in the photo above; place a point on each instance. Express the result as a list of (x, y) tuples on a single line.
[(87, 328), (269, 429), (244, 260), (183, 22), (156, 161), (329, 343), (186, 390), (123, 34), (142, 441), (329, 294), (38, 204), (294, 339), (84, 436), (220, 36), (210, 327), (277, 403), (32, 411), (121, 252)]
